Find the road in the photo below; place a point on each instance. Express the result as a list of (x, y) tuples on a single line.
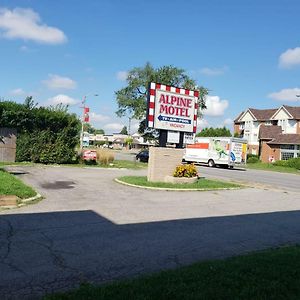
[(289, 182), (274, 180), (89, 228)]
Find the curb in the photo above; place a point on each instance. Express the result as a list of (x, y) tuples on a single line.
[(37, 196), (175, 189), (23, 202)]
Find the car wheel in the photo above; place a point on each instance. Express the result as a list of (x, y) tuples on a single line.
[(211, 163)]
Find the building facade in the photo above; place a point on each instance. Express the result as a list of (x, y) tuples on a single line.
[(273, 134)]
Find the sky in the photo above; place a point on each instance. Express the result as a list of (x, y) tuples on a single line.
[(247, 53)]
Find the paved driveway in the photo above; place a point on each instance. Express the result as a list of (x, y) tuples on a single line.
[(90, 228)]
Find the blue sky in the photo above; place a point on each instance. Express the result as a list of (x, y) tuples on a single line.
[(247, 53)]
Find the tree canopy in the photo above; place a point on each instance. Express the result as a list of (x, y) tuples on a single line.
[(92, 130), (207, 132), (132, 99), (124, 130)]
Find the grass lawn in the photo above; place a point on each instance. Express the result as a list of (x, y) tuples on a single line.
[(271, 167), (271, 274), (135, 165), (10, 185), (126, 164), (200, 184), (118, 164)]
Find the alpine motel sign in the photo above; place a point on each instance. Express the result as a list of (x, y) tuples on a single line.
[(172, 108)]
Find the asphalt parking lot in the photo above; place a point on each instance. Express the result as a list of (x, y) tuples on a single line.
[(89, 228)]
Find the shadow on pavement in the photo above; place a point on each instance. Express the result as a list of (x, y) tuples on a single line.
[(45, 252)]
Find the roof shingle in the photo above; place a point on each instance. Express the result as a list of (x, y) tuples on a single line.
[(263, 114), (290, 138), (293, 110), (269, 132)]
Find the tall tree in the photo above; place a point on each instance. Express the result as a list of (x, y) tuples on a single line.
[(207, 132), (124, 130), (132, 99), (92, 130)]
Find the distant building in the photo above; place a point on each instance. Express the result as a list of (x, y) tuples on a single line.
[(273, 134), (118, 141)]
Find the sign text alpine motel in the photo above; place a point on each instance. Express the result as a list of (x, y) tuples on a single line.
[(172, 108)]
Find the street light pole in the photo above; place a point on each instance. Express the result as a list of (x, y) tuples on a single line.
[(83, 117)]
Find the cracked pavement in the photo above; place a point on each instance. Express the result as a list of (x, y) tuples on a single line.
[(89, 228)]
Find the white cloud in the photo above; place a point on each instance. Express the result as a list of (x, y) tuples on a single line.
[(17, 92), (286, 95), (228, 122), (202, 123), (26, 24), (122, 75), (59, 82), (115, 127), (24, 49), (290, 58), (134, 126), (63, 99), (215, 106), (213, 71), (97, 118)]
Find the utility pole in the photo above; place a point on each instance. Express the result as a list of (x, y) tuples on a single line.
[(84, 119)]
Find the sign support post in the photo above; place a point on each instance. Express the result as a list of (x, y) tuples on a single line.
[(172, 111)]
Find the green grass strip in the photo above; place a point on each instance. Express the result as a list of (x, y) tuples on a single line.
[(271, 167), (10, 185), (200, 184), (269, 275)]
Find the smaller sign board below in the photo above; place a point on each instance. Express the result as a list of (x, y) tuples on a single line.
[(173, 137), (188, 138)]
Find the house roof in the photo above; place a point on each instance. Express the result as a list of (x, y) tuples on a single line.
[(119, 141), (263, 114), (237, 118), (286, 139), (269, 132), (267, 114), (274, 134), (293, 110)]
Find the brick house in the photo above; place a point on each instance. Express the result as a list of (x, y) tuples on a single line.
[(273, 134)]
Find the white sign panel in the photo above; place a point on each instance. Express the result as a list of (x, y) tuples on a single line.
[(173, 137), (174, 111), (188, 138)]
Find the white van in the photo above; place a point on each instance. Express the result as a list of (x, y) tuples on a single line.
[(222, 151)]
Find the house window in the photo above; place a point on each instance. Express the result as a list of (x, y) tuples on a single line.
[(268, 123), (287, 147), (247, 124), (289, 151), (286, 155)]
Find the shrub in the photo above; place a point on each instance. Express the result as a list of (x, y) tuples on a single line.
[(44, 134), (185, 171), (294, 163), (281, 163), (104, 156), (252, 160), (291, 163)]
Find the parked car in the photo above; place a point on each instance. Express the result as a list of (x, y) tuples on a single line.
[(143, 156)]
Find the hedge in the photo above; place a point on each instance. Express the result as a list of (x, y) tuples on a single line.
[(45, 134)]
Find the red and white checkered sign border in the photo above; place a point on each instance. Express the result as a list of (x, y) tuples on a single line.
[(151, 105)]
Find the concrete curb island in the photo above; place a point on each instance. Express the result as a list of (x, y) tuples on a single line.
[(175, 189)]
